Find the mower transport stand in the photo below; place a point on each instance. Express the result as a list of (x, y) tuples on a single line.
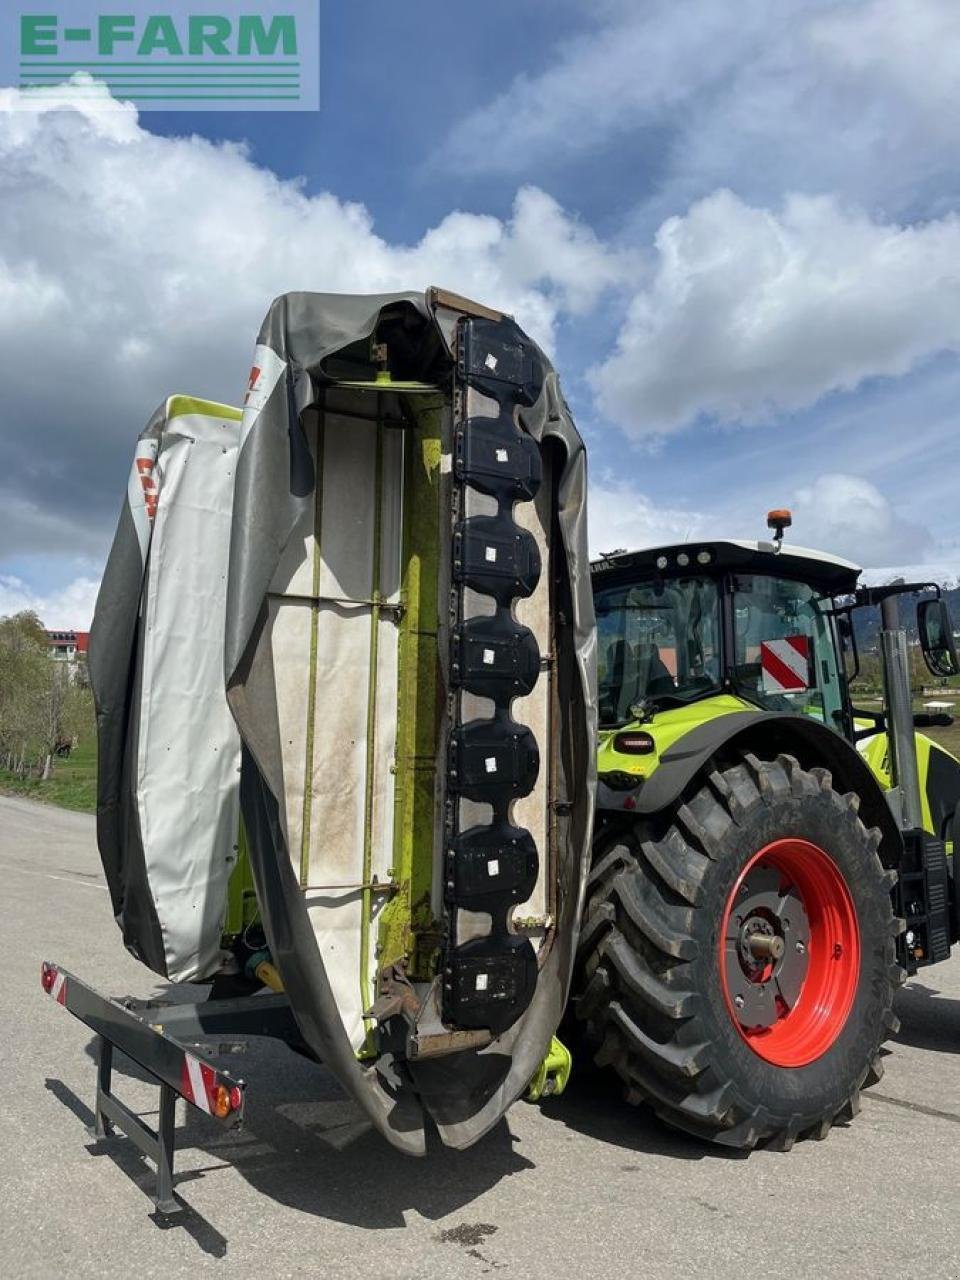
[(168, 1041), (164, 1040)]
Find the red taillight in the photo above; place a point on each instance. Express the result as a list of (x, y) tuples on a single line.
[(634, 744), (236, 1098), (48, 976)]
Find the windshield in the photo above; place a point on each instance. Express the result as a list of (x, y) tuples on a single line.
[(785, 656), (657, 641)]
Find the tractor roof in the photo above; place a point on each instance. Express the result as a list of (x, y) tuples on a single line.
[(830, 574)]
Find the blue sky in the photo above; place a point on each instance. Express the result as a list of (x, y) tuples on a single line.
[(734, 227)]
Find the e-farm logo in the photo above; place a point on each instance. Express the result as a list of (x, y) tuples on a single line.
[(246, 56)]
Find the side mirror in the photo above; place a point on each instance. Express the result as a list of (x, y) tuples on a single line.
[(936, 638)]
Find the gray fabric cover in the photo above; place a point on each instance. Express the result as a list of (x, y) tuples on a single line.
[(114, 677), (465, 1093), (168, 803)]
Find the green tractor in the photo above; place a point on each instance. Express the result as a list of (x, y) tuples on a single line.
[(770, 861)]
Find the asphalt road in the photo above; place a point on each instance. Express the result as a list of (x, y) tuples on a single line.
[(582, 1187)]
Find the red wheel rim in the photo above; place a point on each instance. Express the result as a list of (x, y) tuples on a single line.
[(789, 999)]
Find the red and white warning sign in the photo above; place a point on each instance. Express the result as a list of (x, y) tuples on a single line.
[(785, 664)]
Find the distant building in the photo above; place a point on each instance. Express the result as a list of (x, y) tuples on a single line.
[(68, 646)]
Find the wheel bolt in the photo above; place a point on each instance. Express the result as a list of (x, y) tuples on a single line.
[(801, 948), (738, 1001)]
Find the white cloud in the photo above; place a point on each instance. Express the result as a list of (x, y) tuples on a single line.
[(69, 608), (134, 265), (944, 572), (853, 519), (840, 514), (910, 44), (621, 518), (643, 61), (750, 312), (856, 96)]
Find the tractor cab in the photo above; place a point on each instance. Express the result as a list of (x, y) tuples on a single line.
[(690, 633), (683, 625)]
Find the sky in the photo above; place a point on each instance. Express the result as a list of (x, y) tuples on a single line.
[(733, 227)]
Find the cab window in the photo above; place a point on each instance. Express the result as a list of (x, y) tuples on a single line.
[(658, 643), (785, 656)]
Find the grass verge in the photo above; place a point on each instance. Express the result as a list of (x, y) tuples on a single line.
[(73, 785)]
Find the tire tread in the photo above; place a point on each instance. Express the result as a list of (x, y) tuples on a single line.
[(639, 999)]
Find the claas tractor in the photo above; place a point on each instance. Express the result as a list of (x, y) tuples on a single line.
[(770, 860)]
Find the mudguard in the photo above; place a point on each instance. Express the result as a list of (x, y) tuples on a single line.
[(767, 733)]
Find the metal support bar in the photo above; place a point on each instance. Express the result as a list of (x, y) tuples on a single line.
[(166, 1141), (258, 1015), (104, 1076), (142, 1036), (373, 886), (396, 423), (366, 877), (314, 601), (161, 1038), (899, 713), (157, 1145), (374, 602)]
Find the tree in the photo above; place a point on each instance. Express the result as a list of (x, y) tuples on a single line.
[(41, 705), (23, 661)]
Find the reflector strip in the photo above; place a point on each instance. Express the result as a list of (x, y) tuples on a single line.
[(166, 1060), (785, 664), (198, 1082)]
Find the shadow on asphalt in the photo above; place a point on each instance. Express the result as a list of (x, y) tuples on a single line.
[(305, 1145), (928, 1019), (128, 1159), (593, 1105)]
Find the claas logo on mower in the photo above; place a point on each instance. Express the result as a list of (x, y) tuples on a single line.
[(252, 383)]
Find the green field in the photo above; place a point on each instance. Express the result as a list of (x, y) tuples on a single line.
[(73, 785), (948, 738)]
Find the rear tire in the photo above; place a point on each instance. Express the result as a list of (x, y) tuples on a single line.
[(652, 972)]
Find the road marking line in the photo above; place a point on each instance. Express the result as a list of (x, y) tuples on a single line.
[(49, 875), (870, 1096)]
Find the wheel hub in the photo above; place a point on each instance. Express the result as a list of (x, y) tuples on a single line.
[(765, 948), (789, 952)]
